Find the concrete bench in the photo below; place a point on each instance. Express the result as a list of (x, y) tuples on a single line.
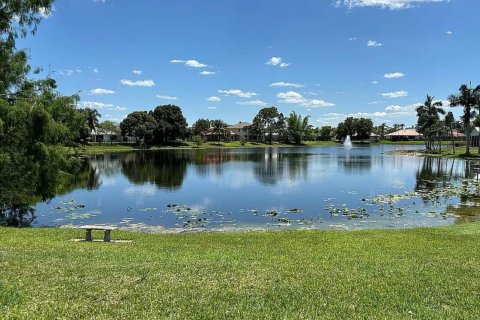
[(105, 229)]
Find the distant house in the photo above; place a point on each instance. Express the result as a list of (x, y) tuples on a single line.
[(474, 137), (406, 134), (212, 136), (374, 137), (456, 135), (240, 130), (104, 136)]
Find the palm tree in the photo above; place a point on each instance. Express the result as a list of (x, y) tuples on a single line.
[(468, 98), (219, 128), (92, 118), (450, 123), (297, 127), (428, 116)]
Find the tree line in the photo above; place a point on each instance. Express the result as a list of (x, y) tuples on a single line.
[(434, 128)]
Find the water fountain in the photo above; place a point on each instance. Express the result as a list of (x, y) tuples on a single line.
[(347, 143)]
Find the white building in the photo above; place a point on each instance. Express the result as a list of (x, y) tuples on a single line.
[(240, 130)]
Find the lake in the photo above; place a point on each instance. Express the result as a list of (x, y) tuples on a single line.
[(266, 188)]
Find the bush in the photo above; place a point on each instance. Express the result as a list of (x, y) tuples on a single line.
[(198, 141)]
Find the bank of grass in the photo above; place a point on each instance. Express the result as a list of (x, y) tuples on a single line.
[(447, 151), (426, 273), (101, 149), (118, 148)]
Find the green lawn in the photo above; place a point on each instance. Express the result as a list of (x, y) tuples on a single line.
[(102, 148), (378, 274)]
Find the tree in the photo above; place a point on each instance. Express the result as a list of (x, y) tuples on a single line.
[(468, 98), (34, 120), (109, 126), (397, 127), (201, 126), (219, 129), (326, 133), (171, 124), (92, 118), (267, 121), (341, 132), (17, 18), (139, 124), (450, 124), (297, 127), (382, 130), (198, 141), (428, 117), (363, 128)]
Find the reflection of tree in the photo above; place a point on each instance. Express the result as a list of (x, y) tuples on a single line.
[(166, 169), (436, 172), (18, 193), (275, 167), (356, 163)]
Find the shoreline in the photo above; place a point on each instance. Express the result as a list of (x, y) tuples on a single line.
[(103, 149)]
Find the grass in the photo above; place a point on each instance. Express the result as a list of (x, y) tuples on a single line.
[(102, 148), (460, 152), (425, 273)]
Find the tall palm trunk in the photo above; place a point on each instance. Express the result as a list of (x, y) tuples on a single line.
[(453, 140), (467, 127)]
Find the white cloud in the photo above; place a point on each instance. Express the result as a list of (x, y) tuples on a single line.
[(402, 111), (259, 103), (375, 82), (378, 114), (139, 83), (373, 43), (293, 97), (393, 75), (166, 97), (286, 84), (395, 94), (390, 4), (101, 1), (95, 70), (352, 38), (449, 32), (277, 61), (101, 105), (69, 72), (238, 93), (395, 107), (211, 108), (190, 63), (100, 91), (214, 99), (139, 72), (207, 73)]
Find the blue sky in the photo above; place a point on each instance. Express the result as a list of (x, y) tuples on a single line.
[(226, 59)]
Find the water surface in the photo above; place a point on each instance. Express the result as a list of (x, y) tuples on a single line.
[(272, 188)]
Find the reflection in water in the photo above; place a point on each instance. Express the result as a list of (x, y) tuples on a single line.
[(167, 169), (436, 173), (356, 163), (18, 194), (277, 167), (230, 187), (161, 168)]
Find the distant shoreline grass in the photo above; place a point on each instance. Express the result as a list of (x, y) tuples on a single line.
[(121, 148), (423, 273)]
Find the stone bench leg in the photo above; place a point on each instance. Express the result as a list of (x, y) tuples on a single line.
[(88, 235), (106, 236)]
